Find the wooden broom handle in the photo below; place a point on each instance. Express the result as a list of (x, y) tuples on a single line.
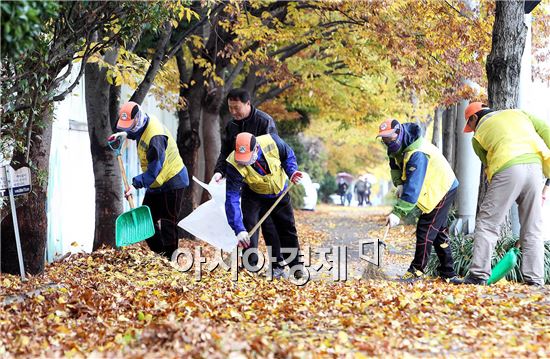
[(126, 185), (255, 228), (386, 233)]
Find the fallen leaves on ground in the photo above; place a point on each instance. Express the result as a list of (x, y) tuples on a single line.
[(131, 302)]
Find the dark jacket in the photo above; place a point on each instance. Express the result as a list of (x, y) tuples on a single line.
[(257, 123)]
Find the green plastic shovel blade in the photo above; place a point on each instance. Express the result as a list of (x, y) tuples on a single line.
[(504, 266), (134, 226)]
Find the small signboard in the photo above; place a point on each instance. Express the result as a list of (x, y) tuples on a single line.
[(20, 181)]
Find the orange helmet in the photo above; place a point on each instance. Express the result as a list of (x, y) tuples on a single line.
[(472, 109), (245, 144)]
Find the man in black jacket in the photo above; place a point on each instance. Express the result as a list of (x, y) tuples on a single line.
[(246, 118)]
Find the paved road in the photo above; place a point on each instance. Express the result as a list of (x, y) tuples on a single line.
[(348, 227)]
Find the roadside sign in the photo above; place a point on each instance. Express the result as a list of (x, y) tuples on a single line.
[(11, 180), (20, 181)]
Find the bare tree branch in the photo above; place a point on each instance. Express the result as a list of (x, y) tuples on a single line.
[(156, 63), (192, 30), (272, 93), (233, 75)]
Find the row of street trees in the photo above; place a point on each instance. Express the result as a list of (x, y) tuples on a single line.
[(354, 62)]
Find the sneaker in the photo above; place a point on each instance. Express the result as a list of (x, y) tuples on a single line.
[(410, 277), (468, 280), (279, 273), (534, 284)]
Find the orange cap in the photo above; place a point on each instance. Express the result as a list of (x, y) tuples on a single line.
[(472, 109), (245, 144), (388, 128), (125, 120)]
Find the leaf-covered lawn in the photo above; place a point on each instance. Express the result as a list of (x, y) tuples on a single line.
[(133, 303)]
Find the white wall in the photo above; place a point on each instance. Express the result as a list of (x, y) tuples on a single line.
[(71, 190), (71, 193)]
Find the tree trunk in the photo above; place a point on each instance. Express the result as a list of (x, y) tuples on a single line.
[(249, 83), (32, 216), (436, 138), (114, 105), (211, 132), (449, 133), (188, 138), (456, 133), (504, 61), (108, 188)]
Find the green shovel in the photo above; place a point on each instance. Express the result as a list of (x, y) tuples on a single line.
[(135, 225), (510, 259)]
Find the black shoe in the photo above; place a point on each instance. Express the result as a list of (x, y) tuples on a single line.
[(298, 271), (534, 284), (451, 279), (468, 280)]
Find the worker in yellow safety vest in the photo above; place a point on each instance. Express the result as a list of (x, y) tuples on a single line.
[(513, 147), (164, 175), (257, 172), (424, 179)]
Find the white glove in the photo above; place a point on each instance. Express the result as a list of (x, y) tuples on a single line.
[(123, 135), (392, 220), (243, 240), (399, 191), (130, 191), (296, 177), (217, 177)]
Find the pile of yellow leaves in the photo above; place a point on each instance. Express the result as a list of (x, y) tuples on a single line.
[(132, 302)]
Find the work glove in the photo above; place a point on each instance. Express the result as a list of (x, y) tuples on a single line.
[(243, 240), (116, 141), (217, 177), (392, 220), (296, 177), (120, 136), (399, 191), (130, 191)]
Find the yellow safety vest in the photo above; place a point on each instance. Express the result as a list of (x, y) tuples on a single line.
[(507, 134), (438, 180), (272, 183), (173, 163)]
